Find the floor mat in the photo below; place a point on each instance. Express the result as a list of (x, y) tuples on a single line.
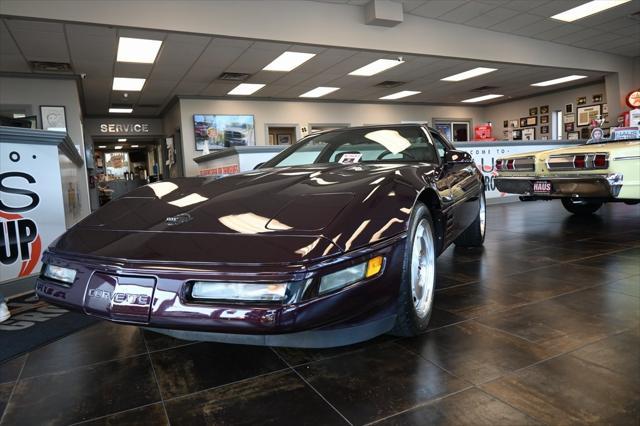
[(34, 323)]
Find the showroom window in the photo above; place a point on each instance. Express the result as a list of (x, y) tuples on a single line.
[(455, 131)]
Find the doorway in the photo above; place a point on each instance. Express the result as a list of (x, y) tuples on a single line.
[(281, 134)]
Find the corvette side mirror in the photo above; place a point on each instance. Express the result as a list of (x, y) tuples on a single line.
[(453, 156)]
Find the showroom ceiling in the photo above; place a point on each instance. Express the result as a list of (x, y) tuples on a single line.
[(616, 30), (190, 65)]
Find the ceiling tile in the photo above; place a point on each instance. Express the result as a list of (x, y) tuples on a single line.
[(516, 22), (29, 36), (492, 17), (466, 12), (436, 8)]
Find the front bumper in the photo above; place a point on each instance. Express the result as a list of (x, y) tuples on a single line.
[(593, 186), (155, 296)]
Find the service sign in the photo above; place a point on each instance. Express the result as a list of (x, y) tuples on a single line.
[(31, 206), (485, 158)]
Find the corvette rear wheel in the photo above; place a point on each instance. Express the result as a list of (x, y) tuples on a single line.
[(418, 275), (581, 207), (473, 236)]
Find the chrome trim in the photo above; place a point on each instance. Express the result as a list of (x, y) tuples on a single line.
[(564, 164), (631, 157), (524, 164)]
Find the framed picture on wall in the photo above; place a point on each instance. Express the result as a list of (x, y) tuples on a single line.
[(517, 134), (588, 113), (544, 130), (505, 123), (513, 123), (581, 100), (544, 119), (544, 109), (605, 108), (528, 134), (568, 109), (569, 127), (569, 118), (585, 133), (533, 111), (532, 121), (53, 118), (284, 139), (223, 130), (573, 136), (597, 98)]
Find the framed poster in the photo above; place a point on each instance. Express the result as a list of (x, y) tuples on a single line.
[(597, 98), (605, 108), (573, 136), (544, 109), (505, 123), (544, 130), (588, 113), (284, 139), (513, 123), (533, 111), (223, 130), (53, 118), (585, 133), (568, 109), (544, 119), (569, 127), (517, 134), (531, 121), (581, 100), (528, 134), (569, 118)]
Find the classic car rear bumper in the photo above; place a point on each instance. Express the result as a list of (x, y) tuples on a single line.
[(596, 186), (156, 297)]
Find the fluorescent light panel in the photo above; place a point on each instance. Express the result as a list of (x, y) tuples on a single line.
[(559, 80), (587, 9), (102, 146), (288, 61), (118, 147), (469, 74), (128, 84), (121, 110), (376, 67), (122, 140), (319, 91), (482, 98), (246, 89), (138, 50), (399, 95), (135, 146)]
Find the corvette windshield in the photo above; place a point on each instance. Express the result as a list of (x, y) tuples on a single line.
[(375, 144)]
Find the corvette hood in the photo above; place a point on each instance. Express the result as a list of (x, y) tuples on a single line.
[(168, 219)]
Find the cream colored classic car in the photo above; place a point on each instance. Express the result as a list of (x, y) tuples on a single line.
[(584, 176)]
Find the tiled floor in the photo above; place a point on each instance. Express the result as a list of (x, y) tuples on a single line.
[(542, 326)]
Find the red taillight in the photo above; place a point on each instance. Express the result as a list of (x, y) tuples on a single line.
[(511, 165), (498, 164), (600, 161), (579, 162)]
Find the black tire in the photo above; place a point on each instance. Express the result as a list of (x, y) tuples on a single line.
[(473, 236), (581, 207), (408, 321)]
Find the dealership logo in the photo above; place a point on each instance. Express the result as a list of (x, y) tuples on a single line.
[(178, 219), (19, 237)]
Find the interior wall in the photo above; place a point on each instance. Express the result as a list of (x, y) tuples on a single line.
[(520, 108), (32, 93), (172, 126), (300, 114)]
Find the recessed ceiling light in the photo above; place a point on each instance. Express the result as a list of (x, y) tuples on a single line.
[(288, 61), (402, 94), (559, 80), (122, 140), (118, 147), (138, 50), (134, 146), (587, 9), (376, 66), (129, 84), (483, 98), (121, 110), (318, 92), (469, 74), (102, 146), (245, 89)]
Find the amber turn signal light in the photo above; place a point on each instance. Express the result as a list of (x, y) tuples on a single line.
[(374, 265)]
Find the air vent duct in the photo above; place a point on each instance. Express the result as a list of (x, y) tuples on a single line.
[(62, 67), (390, 83), (234, 76), (485, 89)]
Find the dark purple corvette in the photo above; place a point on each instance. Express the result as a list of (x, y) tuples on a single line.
[(331, 242)]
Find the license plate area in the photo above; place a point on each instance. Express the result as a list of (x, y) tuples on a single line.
[(542, 187), (120, 298)]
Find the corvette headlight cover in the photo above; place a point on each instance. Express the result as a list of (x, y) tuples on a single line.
[(58, 273), (344, 277), (238, 292)]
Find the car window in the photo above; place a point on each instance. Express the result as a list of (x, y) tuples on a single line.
[(360, 145), (441, 145)]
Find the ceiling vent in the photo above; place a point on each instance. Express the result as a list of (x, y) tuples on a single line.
[(148, 106), (234, 76), (390, 83), (38, 66), (485, 89)]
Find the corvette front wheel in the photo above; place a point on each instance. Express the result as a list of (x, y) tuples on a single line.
[(418, 275)]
